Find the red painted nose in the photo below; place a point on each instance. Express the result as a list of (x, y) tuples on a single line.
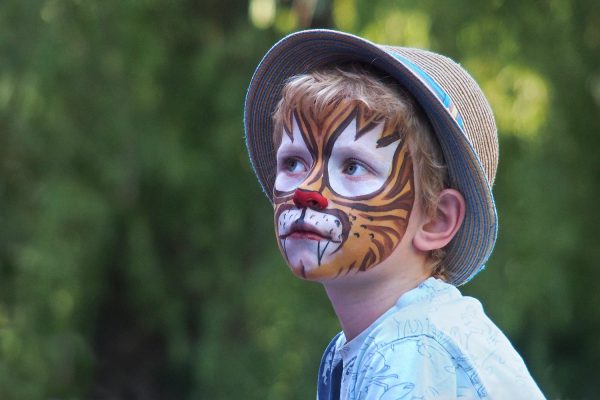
[(309, 199)]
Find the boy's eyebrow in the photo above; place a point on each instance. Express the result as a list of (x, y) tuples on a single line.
[(389, 139)]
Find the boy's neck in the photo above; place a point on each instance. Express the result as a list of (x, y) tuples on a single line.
[(359, 304)]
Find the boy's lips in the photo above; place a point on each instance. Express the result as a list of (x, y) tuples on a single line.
[(302, 230)]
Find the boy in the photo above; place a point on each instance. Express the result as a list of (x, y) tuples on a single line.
[(379, 162)]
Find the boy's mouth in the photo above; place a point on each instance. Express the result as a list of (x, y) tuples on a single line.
[(303, 230)]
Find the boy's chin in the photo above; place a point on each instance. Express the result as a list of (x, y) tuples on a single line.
[(312, 272), (310, 259), (307, 267)]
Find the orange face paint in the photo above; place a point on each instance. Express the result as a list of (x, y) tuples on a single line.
[(343, 193)]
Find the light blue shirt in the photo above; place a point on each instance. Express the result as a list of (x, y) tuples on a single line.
[(433, 343)]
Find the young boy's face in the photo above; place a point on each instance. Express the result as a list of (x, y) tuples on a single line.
[(343, 192)]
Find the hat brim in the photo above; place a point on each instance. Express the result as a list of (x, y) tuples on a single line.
[(306, 50)]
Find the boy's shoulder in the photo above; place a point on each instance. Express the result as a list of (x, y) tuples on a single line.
[(435, 313), (437, 310), (434, 334), (436, 317)]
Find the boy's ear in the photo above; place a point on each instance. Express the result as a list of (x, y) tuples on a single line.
[(438, 230)]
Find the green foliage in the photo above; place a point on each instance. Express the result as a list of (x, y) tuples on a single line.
[(136, 253)]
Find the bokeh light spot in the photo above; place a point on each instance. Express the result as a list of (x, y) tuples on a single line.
[(262, 13)]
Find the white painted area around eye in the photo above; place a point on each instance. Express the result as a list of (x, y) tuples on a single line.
[(297, 149), (377, 162)]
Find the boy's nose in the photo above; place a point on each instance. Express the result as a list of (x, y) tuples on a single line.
[(309, 199)]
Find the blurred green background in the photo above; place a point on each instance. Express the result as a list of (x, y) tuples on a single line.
[(137, 259)]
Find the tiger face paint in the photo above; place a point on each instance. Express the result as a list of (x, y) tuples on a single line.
[(343, 193)]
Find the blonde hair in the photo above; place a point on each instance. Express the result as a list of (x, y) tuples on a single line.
[(388, 102)]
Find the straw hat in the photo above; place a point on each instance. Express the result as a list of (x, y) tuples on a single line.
[(459, 113)]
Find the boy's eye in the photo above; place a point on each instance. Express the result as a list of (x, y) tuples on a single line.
[(354, 168), (293, 165)]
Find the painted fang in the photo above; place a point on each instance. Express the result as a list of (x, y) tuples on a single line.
[(343, 192)]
